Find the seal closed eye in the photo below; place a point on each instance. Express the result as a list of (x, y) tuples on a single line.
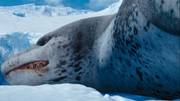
[(42, 41)]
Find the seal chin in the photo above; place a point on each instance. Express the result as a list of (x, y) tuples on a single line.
[(36, 65)]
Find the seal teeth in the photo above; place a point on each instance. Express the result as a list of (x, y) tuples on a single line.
[(32, 65), (38, 65), (43, 63)]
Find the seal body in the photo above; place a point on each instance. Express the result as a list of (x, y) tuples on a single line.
[(138, 57), (127, 52)]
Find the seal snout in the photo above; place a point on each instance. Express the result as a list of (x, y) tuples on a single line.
[(36, 65)]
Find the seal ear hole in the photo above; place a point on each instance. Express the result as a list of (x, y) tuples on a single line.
[(43, 40)]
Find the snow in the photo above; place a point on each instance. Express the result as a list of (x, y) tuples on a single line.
[(42, 23), (61, 92), (31, 10)]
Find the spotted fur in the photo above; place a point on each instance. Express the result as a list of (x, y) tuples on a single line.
[(129, 52)]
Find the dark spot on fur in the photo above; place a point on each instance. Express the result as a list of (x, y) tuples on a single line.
[(138, 87), (78, 57), (157, 91), (176, 94), (138, 45), (135, 30), (146, 66), (172, 11), (123, 51), (167, 93), (148, 80), (146, 74), (159, 85), (64, 71), (64, 46), (78, 78), (127, 42), (159, 35), (113, 49), (145, 29), (59, 47), (58, 79), (162, 2), (133, 51), (132, 76), (136, 13), (71, 65), (155, 94), (148, 24), (128, 62), (116, 46), (157, 77), (80, 73), (77, 65), (52, 44), (78, 69), (62, 62), (102, 60), (111, 58), (39, 75), (120, 59), (139, 74), (134, 47)]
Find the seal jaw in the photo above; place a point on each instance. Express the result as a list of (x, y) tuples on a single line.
[(36, 65)]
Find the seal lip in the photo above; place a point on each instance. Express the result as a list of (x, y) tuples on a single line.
[(29, 66)]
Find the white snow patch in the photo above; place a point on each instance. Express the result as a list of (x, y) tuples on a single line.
[(62, 92)]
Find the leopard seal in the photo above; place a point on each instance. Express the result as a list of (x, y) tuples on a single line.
[(128, 52)]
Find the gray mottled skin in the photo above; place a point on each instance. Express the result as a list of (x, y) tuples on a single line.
[(129, 52), (162, 13)]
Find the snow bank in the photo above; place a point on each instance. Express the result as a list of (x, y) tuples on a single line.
[(61, 92), (31, 10)]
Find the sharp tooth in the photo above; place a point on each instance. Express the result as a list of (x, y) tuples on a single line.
[(34, 66), (31, 66), (40, 65), (44, 63), (37, 65)]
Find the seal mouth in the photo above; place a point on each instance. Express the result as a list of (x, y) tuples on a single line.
[(30, 66)]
